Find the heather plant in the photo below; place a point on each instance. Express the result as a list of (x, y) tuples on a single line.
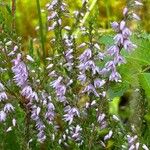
[(63, 99)]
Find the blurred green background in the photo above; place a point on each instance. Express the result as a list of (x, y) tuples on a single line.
[(107, 11)]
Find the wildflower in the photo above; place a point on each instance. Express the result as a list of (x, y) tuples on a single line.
[(86, 55), (108, 136), (8, 108), (20, 71), (135, 16), (98, 83), (2, 116), (128, 45), (115, 76), (3, 96), (30, 58), (70, 114)]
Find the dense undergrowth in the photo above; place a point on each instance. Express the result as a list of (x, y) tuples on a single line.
[(86, 89)]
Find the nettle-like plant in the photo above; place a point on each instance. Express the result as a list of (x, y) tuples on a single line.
[(61, 100)]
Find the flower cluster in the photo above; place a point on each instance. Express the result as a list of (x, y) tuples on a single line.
[(20, 71), (8, 107), (122, 40)]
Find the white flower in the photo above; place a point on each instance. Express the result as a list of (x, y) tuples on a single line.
[(108, 136), (30, 58), (145, 147), (138, 3), (2, 116)]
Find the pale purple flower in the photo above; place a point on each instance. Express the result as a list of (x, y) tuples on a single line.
[(98, 83), (115, 76), (101, 117), (119, 39), (3, 96), (113, 50), (76, 133), (70, 114), (56, 82), (125, 11), (20, 71), (102, 121), (126, 32), (8, 108), (110, 65), (50, 112), (41, 136), (119, 59), (128, 45), (108, 136), (61, 90), (52, 16), (2, 116), (90, 89), (100, 56), (115, 26), (82, 78), (27, 92), (122, 25), (85, 56)]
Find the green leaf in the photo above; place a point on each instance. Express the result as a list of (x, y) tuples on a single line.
[(8, 8), (117, 90), (144, 80)]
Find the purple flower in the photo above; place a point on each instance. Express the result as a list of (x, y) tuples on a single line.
[(70, 114), (82, 78), (125, 11), (119, 60), (115, 26), (3, 96), (98, 83), (115, 76), (8, 108), (2, 116), (50, 113), (119, 39), (108, 136), (56, 82), (85, 56), (90, 89), (76, 133), (20, 71), (102, 121), (100, 56), (128, 45), (110, 65), (113, 50), (126, 33), (122, 25)]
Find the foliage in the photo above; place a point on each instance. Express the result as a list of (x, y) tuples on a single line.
[(73, 85)]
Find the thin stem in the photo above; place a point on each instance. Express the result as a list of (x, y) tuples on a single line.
[(76, 33), (41, 30), (13, 14)]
